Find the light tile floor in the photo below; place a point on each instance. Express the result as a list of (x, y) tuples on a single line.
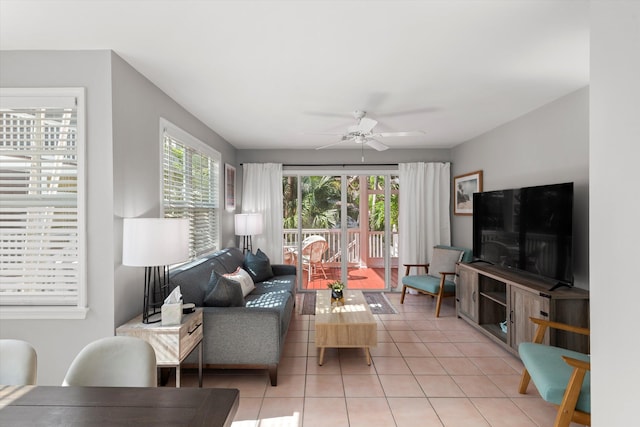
[(425, 372)]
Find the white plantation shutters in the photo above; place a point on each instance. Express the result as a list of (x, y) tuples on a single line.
[(190, 187), (42, 237)]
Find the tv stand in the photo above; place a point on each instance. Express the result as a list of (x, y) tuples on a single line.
[(488, 295), (559, 285)]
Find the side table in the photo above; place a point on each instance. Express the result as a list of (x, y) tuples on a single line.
[(172, 343)]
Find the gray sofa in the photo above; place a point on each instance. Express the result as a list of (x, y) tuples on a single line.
[(249, 337)]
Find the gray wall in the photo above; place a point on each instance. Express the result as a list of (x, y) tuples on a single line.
[(138, 106), (547, 146), (123, 175), (615, 211), (58, 341)]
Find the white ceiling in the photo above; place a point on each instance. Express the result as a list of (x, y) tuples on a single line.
[(265, 74)]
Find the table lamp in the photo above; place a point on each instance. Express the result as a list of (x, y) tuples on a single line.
[(247, 225), (154, 243)]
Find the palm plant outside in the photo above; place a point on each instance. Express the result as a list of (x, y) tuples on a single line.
[(320, 207), (377, 203), (320, 202)]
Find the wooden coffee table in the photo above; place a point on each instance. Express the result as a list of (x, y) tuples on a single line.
[(344, 326)]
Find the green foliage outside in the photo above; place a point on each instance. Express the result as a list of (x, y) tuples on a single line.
[(321, 202)]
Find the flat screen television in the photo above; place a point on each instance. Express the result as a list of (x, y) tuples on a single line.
[(527, 229)]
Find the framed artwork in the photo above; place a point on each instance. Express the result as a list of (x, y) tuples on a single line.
[(229, 187), (463, 188)]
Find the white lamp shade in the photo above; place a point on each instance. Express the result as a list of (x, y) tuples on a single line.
[(248, 224), (150, 242)]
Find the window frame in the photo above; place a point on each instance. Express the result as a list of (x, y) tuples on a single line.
[(31, 97), (166, 127)]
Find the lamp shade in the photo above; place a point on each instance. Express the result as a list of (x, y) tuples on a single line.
[(248, 224), (148, 242)]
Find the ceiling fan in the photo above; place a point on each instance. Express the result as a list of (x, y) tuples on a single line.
[(362, 133)]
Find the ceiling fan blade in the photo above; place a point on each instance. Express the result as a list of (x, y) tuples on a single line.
[(331, 145), (376, 145), (353, 129), (366, 124), (408, 133)]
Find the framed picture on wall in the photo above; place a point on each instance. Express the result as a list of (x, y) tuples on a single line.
[(229, 187), (463, 188)]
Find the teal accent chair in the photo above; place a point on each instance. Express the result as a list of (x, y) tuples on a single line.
[(562, 377), (439, 280)]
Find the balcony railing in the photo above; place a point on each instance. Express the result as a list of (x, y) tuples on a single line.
[(374, 241)]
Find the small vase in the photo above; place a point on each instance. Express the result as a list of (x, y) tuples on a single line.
[(337, 295)]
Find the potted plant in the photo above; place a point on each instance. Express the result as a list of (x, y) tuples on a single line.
[(336, 289)]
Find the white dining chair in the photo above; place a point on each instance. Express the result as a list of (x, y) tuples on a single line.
[(114, 362), (18, 363)]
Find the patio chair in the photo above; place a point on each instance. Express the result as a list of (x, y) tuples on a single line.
[(313, 249)]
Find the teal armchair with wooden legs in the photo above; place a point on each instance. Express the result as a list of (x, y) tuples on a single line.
[(439, 278), (562, 377)]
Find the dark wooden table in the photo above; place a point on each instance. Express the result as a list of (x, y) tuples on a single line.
[(116, 406)]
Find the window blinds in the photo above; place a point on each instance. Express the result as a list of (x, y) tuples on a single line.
[(190, 190), (41, 218)]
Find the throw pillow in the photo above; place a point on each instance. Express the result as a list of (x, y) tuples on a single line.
[(444, 260), (258, 266), (223, 293), (244, 279)]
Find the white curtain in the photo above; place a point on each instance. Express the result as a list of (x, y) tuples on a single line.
[(424, 217), (262, 192)]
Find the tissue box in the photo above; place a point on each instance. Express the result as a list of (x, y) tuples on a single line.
[(171, 314)]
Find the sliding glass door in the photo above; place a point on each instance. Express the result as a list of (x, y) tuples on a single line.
[(341, 227)]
